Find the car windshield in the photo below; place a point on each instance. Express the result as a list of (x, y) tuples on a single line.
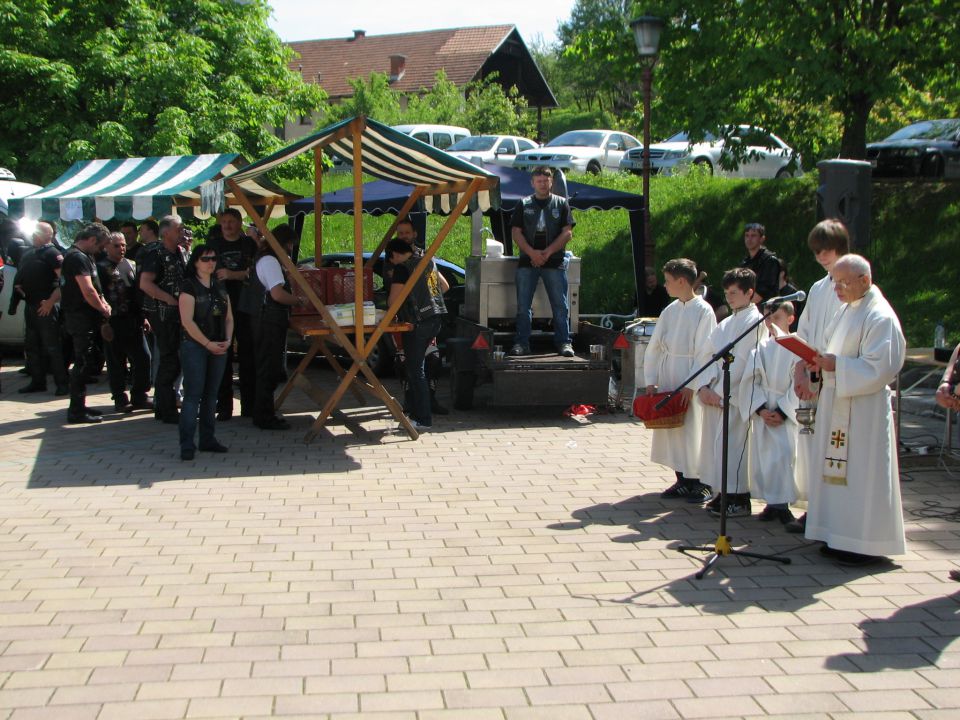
[(684, 137), (479, 142), (928, 130), (578, 138)]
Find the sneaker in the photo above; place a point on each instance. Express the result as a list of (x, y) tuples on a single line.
[(416, 426), (735, 508), (519, 350), (713, 503), (798, 526), (680, 489), (771, 513), (567, 350), (699, 494)]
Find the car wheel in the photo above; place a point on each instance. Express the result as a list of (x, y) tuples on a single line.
[(593, 167), (380, 359), (705, 164), (932, 166), (783, 173)]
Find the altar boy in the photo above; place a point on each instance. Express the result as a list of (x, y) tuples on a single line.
[(739, 288), (769, 404)]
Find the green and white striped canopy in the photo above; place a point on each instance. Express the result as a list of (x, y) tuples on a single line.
[(139, 188), (389, 154)]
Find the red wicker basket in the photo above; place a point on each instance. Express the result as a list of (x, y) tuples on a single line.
[(669, 416)]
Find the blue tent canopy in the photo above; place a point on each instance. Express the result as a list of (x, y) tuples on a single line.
[(385, 197)]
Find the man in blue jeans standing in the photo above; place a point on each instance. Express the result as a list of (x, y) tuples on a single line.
[(542, 226)]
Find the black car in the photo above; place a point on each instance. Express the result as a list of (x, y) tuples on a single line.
[(381, 358), (925, 149)]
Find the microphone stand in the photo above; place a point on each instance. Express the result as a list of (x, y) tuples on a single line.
[(722, 546)]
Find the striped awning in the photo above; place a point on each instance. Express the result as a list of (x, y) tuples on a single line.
[(388, 154), (139, 188)]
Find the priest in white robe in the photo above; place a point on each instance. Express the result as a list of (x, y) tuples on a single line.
[(854, 506)]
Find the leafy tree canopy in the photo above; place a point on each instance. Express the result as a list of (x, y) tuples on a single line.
[(822, 74), (107, 78), (482, 105)]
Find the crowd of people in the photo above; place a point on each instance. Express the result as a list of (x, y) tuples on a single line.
[(847, 468), (161, 311)]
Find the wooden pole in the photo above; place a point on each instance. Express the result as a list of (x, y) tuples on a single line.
[(358, 126), (318, 207)]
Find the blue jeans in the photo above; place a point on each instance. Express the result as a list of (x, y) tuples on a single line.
[(202, 372), (415, 344), (555, 283)]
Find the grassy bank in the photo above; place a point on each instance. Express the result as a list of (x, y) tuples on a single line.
[(915, 232)]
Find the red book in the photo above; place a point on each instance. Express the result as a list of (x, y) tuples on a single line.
[(794, 344)]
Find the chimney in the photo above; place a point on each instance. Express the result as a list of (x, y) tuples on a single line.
[(398, 65), (357, 35)]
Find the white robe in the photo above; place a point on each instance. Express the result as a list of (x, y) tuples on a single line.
[(865, 514), (772, 449), (816, 322), (738, 458), (680, 337)]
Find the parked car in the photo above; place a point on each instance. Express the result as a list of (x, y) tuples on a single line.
[(580, 150), (925, 149), (440, 136), (494, 149), (765, 155), (381, 358)]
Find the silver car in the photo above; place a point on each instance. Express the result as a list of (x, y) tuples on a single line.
[(589, 151), (764, 155)]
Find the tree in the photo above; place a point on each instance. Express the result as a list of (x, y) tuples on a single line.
[(813, 71), (596, 57), (101, 78), (373, 98)]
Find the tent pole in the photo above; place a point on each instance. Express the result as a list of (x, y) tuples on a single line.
[(317, 207), (358, 125)]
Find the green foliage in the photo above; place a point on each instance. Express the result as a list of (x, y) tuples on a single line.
[(598, 60), (373, 98), (811, 71), (441, 104), (83, 79)]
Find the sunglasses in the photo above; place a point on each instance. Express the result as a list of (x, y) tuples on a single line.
[(208, 258)]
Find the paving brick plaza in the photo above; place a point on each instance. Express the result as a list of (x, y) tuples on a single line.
[(507, 566)]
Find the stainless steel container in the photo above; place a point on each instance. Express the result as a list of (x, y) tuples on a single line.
[(491, 291)]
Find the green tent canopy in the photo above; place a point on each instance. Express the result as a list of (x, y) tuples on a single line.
[(139, 188)]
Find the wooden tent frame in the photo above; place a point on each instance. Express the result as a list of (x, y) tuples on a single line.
[(360, 346)]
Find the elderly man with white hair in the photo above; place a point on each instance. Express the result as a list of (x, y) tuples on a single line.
[(855, 507)]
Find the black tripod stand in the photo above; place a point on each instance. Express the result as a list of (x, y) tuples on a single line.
[(722, 545)]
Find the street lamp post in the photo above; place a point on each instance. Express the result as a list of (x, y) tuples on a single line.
[(646, 33)]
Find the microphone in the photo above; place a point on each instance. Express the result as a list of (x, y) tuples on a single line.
[(798, 296)]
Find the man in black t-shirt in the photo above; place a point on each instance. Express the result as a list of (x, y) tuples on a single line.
[(117, 278), (542, 226), (37, 283), (764, 263), (235, 251), (160, 279), (84, 310)]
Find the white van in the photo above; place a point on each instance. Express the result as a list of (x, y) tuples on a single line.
[(440, 136)]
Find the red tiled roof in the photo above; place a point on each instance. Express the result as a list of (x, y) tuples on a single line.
[(461, 52)]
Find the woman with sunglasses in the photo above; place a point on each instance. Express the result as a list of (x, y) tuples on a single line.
[(207, 321)]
